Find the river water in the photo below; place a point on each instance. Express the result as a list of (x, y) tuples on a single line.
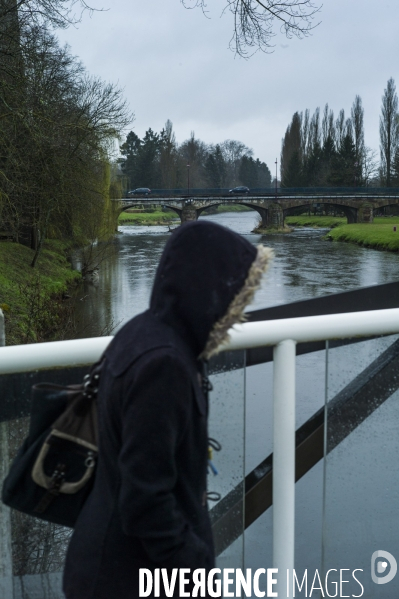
[(305, 266)]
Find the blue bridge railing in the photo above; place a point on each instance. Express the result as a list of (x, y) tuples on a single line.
[(207, 191)]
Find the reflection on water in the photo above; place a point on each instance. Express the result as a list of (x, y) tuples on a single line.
[(305, 266)]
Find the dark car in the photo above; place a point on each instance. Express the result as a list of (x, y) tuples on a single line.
[(240, 189), (140, 191)]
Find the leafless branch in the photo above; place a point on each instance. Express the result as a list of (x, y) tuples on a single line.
[(254, 21)]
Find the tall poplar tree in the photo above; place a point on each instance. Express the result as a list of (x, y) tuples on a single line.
[(389, 130)]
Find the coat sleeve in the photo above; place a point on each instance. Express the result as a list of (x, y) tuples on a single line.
[(157, 406)]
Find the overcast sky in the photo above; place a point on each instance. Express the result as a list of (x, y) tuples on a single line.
[(175, 64)]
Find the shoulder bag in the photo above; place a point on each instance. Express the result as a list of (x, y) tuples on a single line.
[(53, 472)]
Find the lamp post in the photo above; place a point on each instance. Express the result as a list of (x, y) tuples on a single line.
[(276, 178), (188, 179)]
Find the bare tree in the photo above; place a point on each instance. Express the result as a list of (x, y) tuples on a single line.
[(369, 165), (315, 130), (233, 151), (56, 129), (254, 21), (193, 152), (340, 128), (389, 130), (357, 116), (305, 119)]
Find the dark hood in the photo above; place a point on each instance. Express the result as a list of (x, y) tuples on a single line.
[(203, 268)]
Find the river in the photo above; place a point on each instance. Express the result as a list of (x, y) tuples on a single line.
[(305, 266)]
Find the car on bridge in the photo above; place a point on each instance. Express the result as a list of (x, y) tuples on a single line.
[(140, 191), (240, 189)]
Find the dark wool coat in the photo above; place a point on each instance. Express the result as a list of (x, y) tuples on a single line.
[(148, 505)]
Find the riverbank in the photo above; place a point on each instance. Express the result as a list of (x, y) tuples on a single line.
[(327, 222), (376, 236), (32, 298), (379, 235), (147, 218)]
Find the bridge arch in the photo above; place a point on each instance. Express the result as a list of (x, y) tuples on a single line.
[(388, 204), (350, 213), (224, 203)]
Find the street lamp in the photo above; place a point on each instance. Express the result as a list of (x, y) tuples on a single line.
[(188, 179), (276, 178)]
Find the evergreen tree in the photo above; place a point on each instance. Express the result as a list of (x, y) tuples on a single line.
[(168, 157), (215, 168), (293, 175), (291, 153), (130, 150), (264, 174), (146, 173), (248, 172), (345, 168)]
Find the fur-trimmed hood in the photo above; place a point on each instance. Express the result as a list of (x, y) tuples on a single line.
[(206, 277)]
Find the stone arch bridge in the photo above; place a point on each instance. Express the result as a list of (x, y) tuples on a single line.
[(358, 207)]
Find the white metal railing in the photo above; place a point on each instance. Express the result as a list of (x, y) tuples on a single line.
[(283, 335)]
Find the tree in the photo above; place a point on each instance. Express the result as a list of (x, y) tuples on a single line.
[(291, 154), (168, 156), (340, 128), (233, 151), (147, 173), (248, 172), (215, 168), (129, 149), (254, 21), (357, 117), (56, 129), (369, 166), (389, 130), (293, 176), (264, 174), (345, 168), (193, 152)]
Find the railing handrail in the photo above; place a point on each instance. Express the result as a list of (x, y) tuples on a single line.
[(283, 334), (78, 352)]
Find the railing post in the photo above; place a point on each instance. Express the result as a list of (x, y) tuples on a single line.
[(2, 329), (6, 580), (284, 462)]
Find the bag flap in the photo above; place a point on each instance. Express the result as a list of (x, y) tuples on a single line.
[(79, 420), (47, 403)]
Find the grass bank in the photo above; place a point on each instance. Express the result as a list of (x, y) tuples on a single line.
[(376, 235), (315, 221), (147, 218), (31, 299)]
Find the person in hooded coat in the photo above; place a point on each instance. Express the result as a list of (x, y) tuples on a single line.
[(148, 505)]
